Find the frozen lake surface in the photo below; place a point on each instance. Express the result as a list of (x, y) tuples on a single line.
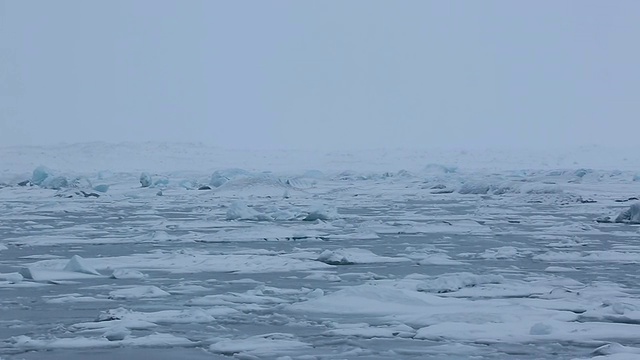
[(325, 257)]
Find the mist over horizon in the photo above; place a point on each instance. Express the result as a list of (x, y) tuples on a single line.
[(330, 76)]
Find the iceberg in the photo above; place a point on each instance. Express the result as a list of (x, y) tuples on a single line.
[(241, 211), (45, 178), (40, 174), (145, 179), (630, 216)]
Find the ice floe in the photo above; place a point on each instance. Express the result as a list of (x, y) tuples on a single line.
[(265, 345), (353, 256), (137, 292), (630, 216)]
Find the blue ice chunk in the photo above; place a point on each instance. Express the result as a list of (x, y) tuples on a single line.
[(220, 177), (188, 184), (145, 179), (40, 174), (162, 182), (103, 188), (55, 182)]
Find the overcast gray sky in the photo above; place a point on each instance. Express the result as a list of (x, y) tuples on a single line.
[(330, 74)]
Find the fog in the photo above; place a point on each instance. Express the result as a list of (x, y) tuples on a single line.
[(336, 74)]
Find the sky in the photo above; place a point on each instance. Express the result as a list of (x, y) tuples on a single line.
[(321, 74)]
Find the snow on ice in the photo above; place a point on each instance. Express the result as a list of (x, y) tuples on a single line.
[(367, 255)]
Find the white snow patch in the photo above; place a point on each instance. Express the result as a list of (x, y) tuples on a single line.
[(631, 215), (138, 292), (559, 269), (157, 339), (116, 333), (37, 274), (266, 345), (73, 298), (367, 331), (78, 264), (436, 259), (239, 210), (607, 256), (501, 253), (352, 256), (127, 274), (184, 261), (453, 282), (12, 278), (321, 212)]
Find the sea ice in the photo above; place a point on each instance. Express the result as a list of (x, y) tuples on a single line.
[(184, 316), (452, 282), (501, 253), (55, 182), (631, 215), (157, 339), (127, 274), (321, 212), (36, 274), (78, 264), (145, 179), (138, 292), (117, 333), (40, 174), (239, 210), (260, 346), (354, 256), (103, 188), (367, 331), (13, 277), (220, 177)]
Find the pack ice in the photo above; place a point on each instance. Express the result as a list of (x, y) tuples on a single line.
[(380, 254)]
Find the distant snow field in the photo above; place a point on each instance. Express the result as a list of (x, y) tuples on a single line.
[(188, 251)]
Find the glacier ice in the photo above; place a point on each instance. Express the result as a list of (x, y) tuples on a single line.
[(55, 182), (103, 188), (220, 177), (40, 174), (321, 212), (145, 179), (162, 182), (45, 178), (239, 210), (631, 215)]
